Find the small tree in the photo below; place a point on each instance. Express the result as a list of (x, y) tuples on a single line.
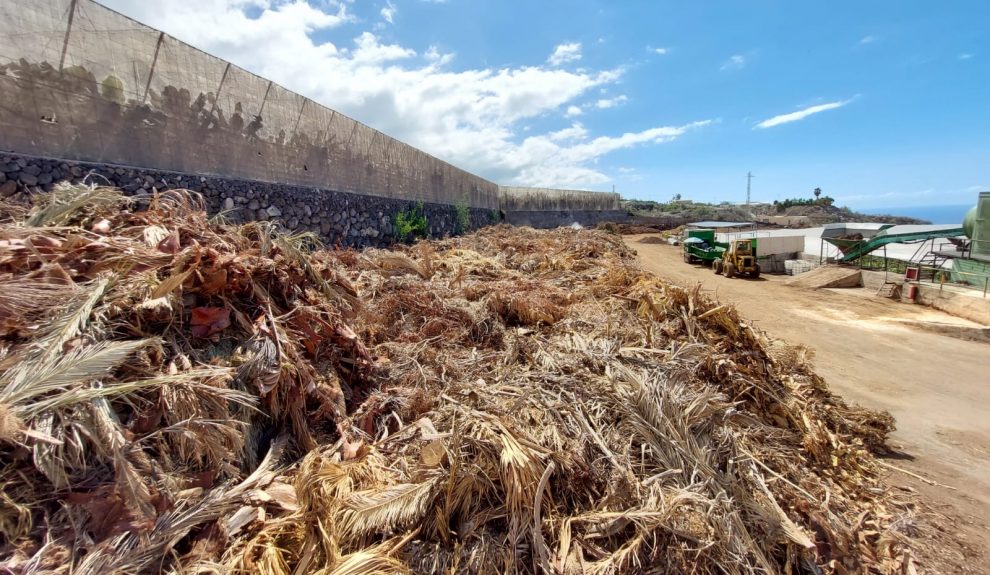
[(410, 224), (113, 89), (462, 215), (818, 192)]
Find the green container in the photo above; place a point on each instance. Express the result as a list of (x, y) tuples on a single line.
[(969, 222)]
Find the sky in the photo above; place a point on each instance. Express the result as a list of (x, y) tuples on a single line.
[(880, 103)]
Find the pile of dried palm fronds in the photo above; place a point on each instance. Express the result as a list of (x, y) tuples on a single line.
[(178, 395)]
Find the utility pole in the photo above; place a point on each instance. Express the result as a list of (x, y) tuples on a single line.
[(749, 183)]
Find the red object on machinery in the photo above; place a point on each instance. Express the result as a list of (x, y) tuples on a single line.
[(911, 274), (912, 292)]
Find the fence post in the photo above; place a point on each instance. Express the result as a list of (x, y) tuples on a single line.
[(151, 71), (216, 97), (68, 31)]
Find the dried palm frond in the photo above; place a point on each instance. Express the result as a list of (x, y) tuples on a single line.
[(22, 388), (67, 205), (385, 509), (510, 401)]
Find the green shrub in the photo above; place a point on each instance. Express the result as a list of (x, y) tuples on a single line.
[(462, 216), (410, 224), (822, 201), (113, 89)]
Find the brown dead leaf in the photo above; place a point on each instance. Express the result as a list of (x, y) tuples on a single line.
[(170, 244), (207, 321)]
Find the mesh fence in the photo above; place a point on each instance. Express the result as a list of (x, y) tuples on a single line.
[(549, 199), (81, 82)]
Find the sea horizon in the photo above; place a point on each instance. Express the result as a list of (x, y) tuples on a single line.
[(942, 214)]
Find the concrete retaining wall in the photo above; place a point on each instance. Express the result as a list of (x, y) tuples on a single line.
[(103, 93), (553, 219), (521, 199), (968, 305), (961, 302), (339, 218)]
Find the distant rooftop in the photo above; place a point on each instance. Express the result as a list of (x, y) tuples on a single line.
[(718, 225)]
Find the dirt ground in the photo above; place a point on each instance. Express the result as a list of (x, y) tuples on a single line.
[(886, 355)]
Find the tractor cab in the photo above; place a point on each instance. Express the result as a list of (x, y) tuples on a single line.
[(740, 259)]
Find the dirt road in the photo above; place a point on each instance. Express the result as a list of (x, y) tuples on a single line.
[(873, 351)]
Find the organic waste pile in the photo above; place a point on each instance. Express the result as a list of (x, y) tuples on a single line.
[(178, 395)]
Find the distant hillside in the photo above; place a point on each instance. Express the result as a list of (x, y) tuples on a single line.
[(686, 209), (824, 211), (818, 211)]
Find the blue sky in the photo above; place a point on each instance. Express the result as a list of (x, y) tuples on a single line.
[(882, 103)]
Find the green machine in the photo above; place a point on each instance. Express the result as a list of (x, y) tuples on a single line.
[(739, 259), (700, 247)]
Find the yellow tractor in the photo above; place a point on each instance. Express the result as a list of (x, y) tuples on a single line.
[(740, 259)]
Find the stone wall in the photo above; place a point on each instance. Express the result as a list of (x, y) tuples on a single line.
[(339, 218)]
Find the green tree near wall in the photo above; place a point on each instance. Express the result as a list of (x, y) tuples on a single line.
[(112, 88), (410, 224), (462, 215)]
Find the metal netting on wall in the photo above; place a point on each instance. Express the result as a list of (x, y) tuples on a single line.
[(82, 82), (548, 199)]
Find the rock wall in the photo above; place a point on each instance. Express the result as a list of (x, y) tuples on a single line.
[(339, 218)]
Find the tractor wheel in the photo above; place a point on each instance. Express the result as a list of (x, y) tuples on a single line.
[(756, 272), (730, 270), (717, 266), (687, 258)]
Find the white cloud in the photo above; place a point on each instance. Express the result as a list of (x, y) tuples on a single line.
[(370, 51), (575, 132), (661, 51), (801, 114), (735, 62), (544, 162), (573, 111), (606, 103), (388, 12), (565, 53), (473, 118), (867, 40), (629, 174), (434, 55), (965, 56)]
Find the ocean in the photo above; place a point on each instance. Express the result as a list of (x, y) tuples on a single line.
[(934, 214)]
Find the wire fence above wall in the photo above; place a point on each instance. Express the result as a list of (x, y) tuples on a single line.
[(81, 82), (548, 199)]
